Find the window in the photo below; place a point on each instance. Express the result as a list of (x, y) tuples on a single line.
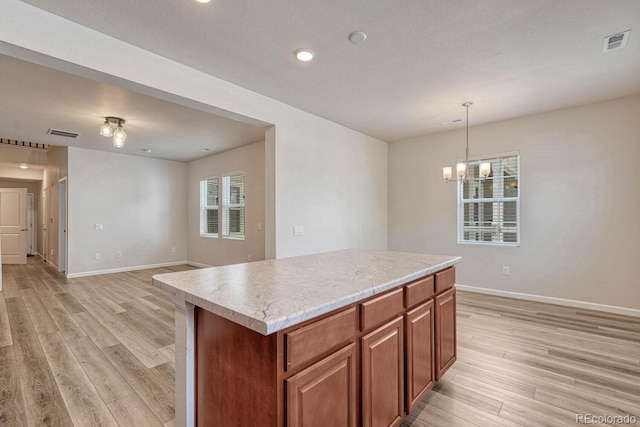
[(233, 206), (489, 211), (209, 212)]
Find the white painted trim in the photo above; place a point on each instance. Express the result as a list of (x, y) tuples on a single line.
[(553, 300), (198, 264), (123, 269), (51, 264)]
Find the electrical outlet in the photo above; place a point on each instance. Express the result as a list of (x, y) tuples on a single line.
[(98, 227), (505, 270), (259, 226), (96, 255), (173, 249), (249, 258), (298, 230), (118, 254)]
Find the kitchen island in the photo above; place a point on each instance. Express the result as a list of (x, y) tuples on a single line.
[(353, 337)]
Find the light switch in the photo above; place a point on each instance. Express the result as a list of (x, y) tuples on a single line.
[(98, 227), (298, 230)]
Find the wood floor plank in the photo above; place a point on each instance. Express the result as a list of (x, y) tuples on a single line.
[(83, 402), (94, 329), (137, 345), (158, 397), (42, 320), (43, 403), (5, 329), (169, 352), (156, 333), (133, 412), (9, 287), (70, 303), (65, 323), (106, 379), (12, 409)]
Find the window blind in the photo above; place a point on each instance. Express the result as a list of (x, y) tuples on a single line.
[(489, 210), (209, 208), (233, 206)]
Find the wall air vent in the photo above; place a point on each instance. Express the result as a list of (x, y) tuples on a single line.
[(66, 134), (616, 41)]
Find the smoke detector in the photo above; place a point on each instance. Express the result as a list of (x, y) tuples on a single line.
[(616, 41)]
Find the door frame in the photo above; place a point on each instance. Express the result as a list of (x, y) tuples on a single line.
[(32, 216), (62, 225)]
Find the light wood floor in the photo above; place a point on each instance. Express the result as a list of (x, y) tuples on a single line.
[(100, 351)]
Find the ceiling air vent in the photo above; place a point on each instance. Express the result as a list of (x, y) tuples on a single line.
[(66, 134), (616, 41)]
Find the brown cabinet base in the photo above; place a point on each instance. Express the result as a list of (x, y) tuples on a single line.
[(328, 371)]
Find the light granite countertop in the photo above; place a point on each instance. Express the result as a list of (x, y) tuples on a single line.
[(268, 296)]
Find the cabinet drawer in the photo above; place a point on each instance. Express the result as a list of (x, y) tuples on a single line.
[(307, 343), (378, 310), (445, 279), (418, 291)]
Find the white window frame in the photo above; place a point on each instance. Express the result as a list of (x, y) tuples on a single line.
[(498, 197), (227, 206), (204, 207)]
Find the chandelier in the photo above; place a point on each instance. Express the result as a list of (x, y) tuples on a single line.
[(112, 127), (462, 168)]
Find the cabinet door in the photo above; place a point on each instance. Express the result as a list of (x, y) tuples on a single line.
[(383, 375), (445, 311), (419, 353), (324, 395)]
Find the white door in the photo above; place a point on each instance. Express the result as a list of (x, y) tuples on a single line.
[(13, 225)]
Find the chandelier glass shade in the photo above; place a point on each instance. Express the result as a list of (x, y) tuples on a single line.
[(112, 127)]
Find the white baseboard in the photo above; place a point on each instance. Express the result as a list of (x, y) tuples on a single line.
[(198, 264), (123, 269), (552, 300)]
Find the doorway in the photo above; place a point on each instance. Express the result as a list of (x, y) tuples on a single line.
[(62, 225)]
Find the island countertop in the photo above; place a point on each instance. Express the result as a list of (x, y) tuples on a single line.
[(268, 296)]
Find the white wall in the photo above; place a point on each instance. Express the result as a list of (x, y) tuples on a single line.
[(319, 174), (579, 203), (218, 251), (141, 203)]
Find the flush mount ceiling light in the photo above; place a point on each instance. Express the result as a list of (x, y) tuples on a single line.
[(203, 1), (112, 127), (462, 168), (24, 166), (304, 55)]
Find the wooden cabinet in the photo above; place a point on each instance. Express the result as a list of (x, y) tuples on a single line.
[(324, 394), (445, 322), (419, 353), (383, 375), (367, 364)]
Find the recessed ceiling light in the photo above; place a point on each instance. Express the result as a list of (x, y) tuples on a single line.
[(203, 1), (304, 55), (24, 166)]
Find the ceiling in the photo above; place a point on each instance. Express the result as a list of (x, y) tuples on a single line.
[(422, 58), (36, 98)]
